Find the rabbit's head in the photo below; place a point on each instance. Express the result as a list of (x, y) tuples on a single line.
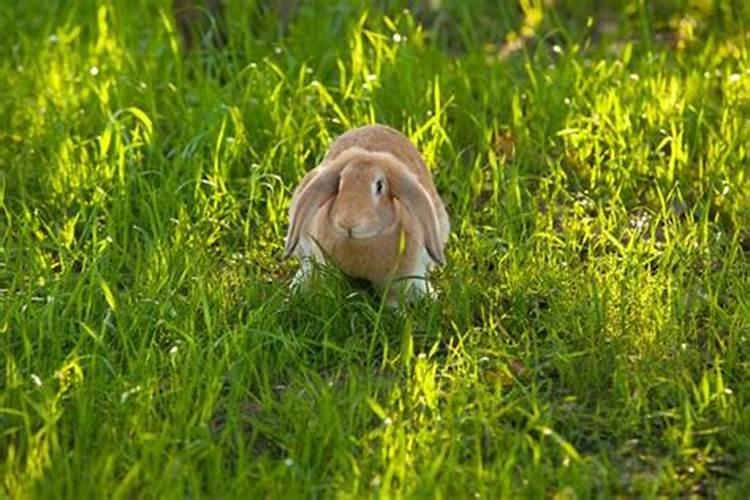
[(363, 207), (364, 189)]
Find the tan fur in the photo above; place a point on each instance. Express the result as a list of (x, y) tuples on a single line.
[(376, 259), (338, 208), (381, 138)]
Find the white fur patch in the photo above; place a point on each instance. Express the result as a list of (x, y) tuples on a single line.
[(418, 285), (308, 253)]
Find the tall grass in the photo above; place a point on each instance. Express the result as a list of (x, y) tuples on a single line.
[(591, 331)]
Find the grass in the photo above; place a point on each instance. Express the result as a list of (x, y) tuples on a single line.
[(591, 332)]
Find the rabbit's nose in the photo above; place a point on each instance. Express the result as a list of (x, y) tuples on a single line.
[(348, 229), (345, 226)]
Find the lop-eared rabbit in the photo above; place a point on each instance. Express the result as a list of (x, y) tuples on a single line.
[(371, 209)]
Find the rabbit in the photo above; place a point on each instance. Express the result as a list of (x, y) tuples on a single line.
[(371, 209)]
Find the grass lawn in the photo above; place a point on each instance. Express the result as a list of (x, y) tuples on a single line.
[(591, 335)]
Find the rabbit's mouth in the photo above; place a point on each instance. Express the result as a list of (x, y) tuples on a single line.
[(360, 233), (355, 233)]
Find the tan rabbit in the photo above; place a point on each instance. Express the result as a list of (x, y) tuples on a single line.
[(371, 209)]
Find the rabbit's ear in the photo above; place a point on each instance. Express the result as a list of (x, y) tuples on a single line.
[(316, 188), (415, 197)]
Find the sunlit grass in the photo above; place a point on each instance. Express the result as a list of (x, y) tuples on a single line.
[(591, 331)]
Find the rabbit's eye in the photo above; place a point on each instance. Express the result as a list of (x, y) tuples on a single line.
[(379, 185)]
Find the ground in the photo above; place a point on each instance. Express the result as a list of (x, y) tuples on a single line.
[(590, 332)]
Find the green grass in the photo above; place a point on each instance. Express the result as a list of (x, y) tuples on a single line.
[(591, 335)]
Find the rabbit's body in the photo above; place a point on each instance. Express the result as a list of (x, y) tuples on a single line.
[(371, 209)]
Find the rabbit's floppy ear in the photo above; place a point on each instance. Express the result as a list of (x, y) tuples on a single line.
[(415, 197), (315, 189)]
